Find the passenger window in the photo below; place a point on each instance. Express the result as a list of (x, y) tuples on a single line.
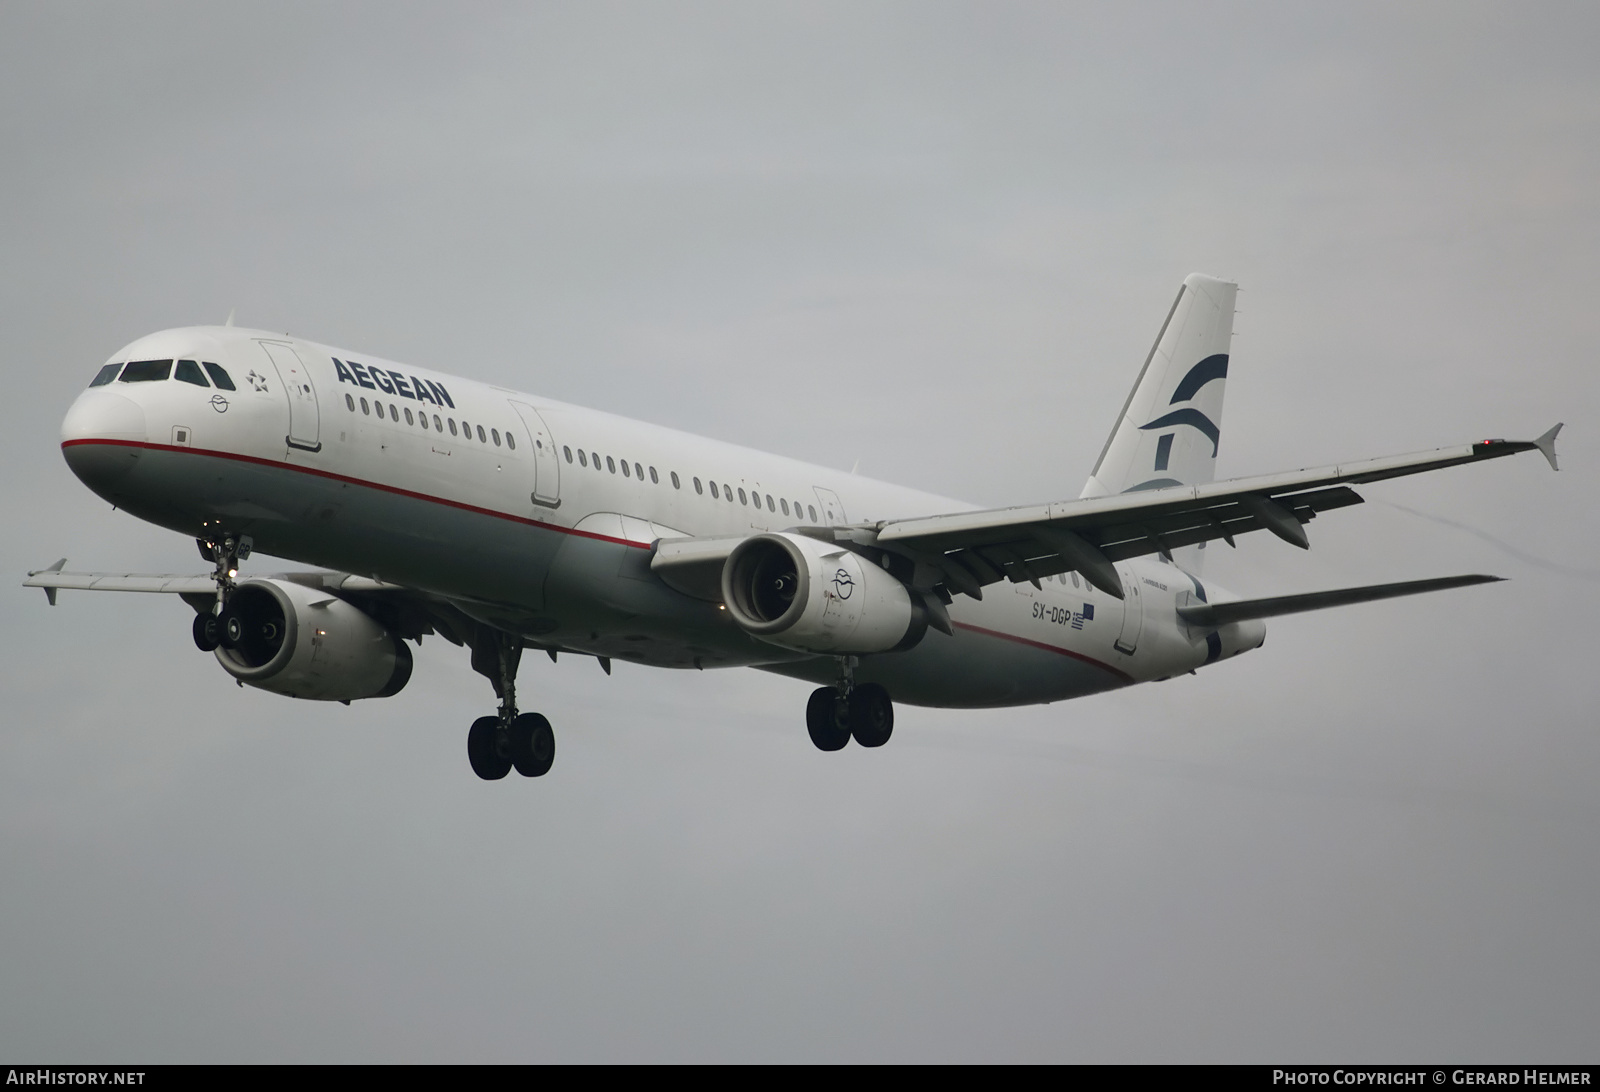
[(366, 409), (714, 494), (583, 460), (638, 471), (409, 421), (741, 498), (675, 484), (611, 464), (438, 426), (594, 457), (727, 493), (653, 479), (350, 403), (813, 512), (784, 501), (146, 371), (105, 375), (482, 439), (626, 473), (770, 506), (218, 376), (697, 489), (494, 434), (452, 426), (567, 451), (189, 372), (394, 415), (511, 442)]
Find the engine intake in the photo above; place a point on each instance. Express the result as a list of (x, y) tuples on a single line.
[(305, 643), (813, 596)]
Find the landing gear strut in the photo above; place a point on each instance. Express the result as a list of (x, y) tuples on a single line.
[(836, 713), (497, 745), (216, 627)]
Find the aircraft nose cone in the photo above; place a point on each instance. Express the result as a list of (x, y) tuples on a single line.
[(100, 438)]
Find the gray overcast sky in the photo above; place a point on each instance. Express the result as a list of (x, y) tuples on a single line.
[(937, 238)]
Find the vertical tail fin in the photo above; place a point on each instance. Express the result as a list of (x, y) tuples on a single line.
[(1170, 428)]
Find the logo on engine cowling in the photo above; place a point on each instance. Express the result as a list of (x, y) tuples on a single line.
[(842, 584)]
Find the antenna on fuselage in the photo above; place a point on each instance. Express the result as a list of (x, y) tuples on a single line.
[(231, 310)]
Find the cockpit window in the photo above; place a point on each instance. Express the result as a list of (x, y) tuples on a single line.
[(146, 371), (219, 377), (189, 372), (105, 375)]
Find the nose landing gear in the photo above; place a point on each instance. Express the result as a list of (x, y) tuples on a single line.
[(225, 549)]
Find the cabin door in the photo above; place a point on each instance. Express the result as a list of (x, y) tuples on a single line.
[(546, 463), (1132, 613), (304, 418), (832, 510)]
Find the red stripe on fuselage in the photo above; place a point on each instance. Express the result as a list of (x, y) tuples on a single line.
[(331, 476), (1057, 649)]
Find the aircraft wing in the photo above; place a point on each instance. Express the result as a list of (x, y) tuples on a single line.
[(966, 550), (55, 579)]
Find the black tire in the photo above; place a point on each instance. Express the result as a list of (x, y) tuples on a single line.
[(206, 633), (487, 749), (229, 628), (823, 720), (533, 745), (871, 715)]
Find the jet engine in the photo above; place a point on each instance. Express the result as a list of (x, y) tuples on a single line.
[(813, 596), (305, 643)]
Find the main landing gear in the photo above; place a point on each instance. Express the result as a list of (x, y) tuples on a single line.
[(836, 713), (497, 745)]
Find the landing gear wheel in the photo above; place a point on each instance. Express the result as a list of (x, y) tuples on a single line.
[(823, 720), (229, 628), (871, 715), (488, 749), (206, 634), (533, 745)]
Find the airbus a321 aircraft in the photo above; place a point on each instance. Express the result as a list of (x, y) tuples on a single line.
[(504, 521)]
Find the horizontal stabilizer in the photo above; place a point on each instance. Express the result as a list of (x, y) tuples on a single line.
[(1220, 614)]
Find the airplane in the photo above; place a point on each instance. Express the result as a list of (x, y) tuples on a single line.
[(503, 521)]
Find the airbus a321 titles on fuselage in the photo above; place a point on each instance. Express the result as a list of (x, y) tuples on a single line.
[(504, 521)]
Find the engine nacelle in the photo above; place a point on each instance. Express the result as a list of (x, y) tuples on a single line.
[(306, 643), (815, 596)]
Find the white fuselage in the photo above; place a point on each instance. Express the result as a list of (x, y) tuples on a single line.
[(541, 518)]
